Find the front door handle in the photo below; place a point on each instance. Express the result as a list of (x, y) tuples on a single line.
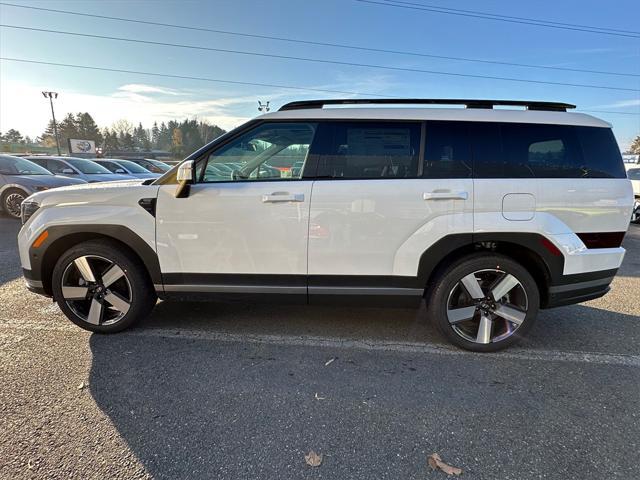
[(445, 195), (277, 197)]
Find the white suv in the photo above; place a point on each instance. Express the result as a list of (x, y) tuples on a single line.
[(487, 214)]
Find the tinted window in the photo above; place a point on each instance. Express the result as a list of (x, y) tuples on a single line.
[(513, 150), (87, 166), (112, 167), (368, 150), (601, 153), (57, 166), (19, 166), (541, 151), (486, 143), (447, 152), (271, 151)]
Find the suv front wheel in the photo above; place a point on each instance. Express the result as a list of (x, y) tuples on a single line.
[(484, 302), (102, 287)]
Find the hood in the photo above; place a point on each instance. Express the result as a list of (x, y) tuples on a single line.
[(88, 193), (50, 181)]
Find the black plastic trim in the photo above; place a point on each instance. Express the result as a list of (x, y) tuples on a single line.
[(120, 233)]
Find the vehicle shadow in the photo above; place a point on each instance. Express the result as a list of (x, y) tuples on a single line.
[(200, 408), (10, 268)]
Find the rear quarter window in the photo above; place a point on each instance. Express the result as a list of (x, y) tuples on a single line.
[(513, 150), (601, 153)]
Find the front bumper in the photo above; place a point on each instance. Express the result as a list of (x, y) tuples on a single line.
[(34, 285)]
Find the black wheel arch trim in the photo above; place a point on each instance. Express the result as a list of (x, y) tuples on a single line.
[(62, 237)]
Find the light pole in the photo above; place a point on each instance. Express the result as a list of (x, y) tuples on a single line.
[(51, 96), (263, 107)]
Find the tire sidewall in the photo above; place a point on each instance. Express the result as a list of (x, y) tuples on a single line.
[(451, 276), (141, 292)]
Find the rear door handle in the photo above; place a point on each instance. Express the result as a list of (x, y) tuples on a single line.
[(445, 195), (277, 197)]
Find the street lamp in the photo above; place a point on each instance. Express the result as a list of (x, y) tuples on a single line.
[(263, 107), (51, 96)]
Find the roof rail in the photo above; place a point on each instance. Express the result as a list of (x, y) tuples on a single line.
[(488, 104)]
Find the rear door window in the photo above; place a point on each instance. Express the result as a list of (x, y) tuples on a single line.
[(359, 150), (447, 151)]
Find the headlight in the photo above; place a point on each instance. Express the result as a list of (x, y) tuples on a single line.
[(27, 209)]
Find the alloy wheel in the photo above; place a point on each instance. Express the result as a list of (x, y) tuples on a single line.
[(487, 306), (96, 289), (12, 204)]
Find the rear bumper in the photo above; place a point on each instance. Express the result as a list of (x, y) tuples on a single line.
[(579, 288)]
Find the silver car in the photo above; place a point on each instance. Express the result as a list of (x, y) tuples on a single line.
[(116, 165), (78, 168), (20, 178)]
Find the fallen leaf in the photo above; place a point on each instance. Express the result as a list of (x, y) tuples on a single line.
[(313, 459), (82, 386), (319, 398), (435, 462), (329, 362)]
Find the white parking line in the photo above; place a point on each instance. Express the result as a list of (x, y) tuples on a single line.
[(403, 347), (513, 353)]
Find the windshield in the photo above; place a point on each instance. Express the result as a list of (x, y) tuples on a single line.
[(87, 166), (634, 173), (160, 165), (132, 167), (20, 166)]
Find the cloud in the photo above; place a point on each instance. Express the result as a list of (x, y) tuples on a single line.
[(24, 109), (143, 88), (632, 102)]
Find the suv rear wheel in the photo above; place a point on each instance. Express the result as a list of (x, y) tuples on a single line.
[(484, 302), (102, 287)]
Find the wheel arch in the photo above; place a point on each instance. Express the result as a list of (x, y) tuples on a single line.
[(62, 238), (534, 251)]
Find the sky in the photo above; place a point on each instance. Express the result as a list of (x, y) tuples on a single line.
[(111, 96)]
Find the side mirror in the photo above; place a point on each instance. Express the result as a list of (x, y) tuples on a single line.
[(185, 177), (68, 171), (119, 170)]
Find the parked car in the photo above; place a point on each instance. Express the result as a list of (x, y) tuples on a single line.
[(154, 166), (78, 168), (634, 176), (126, 167), (487, 214), (19, 178)]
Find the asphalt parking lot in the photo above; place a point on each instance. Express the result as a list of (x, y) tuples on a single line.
[(244, 391)]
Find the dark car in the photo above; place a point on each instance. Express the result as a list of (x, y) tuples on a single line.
[(19, 178)]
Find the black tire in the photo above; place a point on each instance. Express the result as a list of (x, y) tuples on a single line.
[(448, 290), (10, 195), (141, 296)]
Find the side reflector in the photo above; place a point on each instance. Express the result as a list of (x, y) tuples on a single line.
[(548, 244), (41, 238)]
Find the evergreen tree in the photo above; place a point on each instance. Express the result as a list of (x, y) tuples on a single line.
[(155, 135), (87, 129), (110, 141), (13, 136)]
